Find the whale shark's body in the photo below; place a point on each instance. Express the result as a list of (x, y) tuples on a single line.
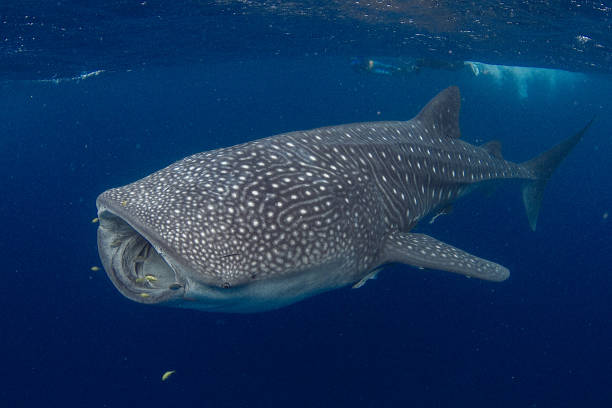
[(267, 223)]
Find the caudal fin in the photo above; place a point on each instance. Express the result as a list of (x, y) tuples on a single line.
[(543, 167)]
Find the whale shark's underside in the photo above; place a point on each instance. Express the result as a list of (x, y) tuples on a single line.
[(266, 223)]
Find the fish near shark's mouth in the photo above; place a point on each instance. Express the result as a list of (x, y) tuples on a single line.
[(134, 265)]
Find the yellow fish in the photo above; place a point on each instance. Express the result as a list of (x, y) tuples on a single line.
[(167, 374), (95, 268), (150, 278), (144, 295), (95, 220)]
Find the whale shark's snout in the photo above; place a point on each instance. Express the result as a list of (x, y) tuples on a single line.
[(139, 269)]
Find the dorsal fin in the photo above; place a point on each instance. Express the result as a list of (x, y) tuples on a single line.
[(443, 112), (493, 147)]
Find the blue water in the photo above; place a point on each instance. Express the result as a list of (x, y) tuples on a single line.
[(183, 77)]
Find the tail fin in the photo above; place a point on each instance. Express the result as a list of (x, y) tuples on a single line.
[(543, 167)]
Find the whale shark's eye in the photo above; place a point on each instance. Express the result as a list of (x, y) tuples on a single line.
[(226, 285)]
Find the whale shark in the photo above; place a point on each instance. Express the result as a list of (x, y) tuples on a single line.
[(264, 224)]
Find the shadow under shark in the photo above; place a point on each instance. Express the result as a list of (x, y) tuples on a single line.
[(264, 224)]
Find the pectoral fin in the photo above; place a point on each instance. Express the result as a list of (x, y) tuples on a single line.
[(426, 252)]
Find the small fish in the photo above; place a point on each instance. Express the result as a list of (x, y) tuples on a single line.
[(175, 286), (371, 275), (124, 203), (95, 268), (140, 280), (93, 221), (444, 211), (150, 278), (144, 295), (167, 374)]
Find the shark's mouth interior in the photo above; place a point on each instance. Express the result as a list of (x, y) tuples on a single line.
[(133, 264)]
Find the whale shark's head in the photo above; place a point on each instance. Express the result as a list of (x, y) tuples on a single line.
[(176, 261), (215, 270)]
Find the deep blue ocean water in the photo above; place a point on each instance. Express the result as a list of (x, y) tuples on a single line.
[(183, 77)]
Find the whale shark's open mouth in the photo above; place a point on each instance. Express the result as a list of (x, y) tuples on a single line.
[(133, 264)]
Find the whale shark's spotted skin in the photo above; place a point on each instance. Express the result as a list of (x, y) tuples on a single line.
[(266, 223)]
